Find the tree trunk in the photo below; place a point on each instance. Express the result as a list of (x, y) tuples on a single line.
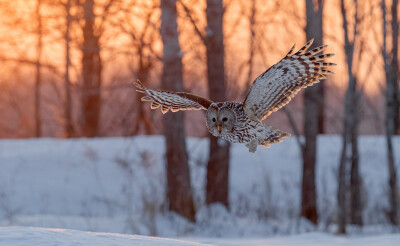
[(355, 178), (252, 40), (317, 34), (392, 111), (395, 68), (38, 79), (312, 101), (350, 126), (69, 129), (393, 212), (218, 164), (179, 191), (342, 187), (390, 66), (91, 65), (321, 107)]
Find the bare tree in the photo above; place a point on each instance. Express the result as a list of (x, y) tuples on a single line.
[(390, 60), (313, 101), (91, 71), (142, 41), (218, 164), (38, 78), (178, 177), (69, 129), (395, 69), (252, 42), (142, 74), (350, 133), (43, 27)]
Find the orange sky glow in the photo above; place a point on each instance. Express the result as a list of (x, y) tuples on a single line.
[(279, 24), (282, 31)]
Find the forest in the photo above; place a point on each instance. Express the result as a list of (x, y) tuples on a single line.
[(69, 67)]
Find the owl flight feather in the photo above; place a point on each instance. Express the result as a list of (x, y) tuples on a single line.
[(270, 91)]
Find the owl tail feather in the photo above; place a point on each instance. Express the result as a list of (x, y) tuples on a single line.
[(275, 136)]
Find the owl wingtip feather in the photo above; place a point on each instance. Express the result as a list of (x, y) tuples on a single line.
[(139, 86), (291, 51)]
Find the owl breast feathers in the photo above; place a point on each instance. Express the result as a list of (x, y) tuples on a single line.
[(240, 122)]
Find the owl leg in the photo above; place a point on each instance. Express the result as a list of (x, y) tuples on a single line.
[(252, 145)]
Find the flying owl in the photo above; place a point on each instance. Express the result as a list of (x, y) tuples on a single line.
[(240, 122)]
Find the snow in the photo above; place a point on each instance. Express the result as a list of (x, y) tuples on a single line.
[(118, 185), (309, 239), (22, 236)]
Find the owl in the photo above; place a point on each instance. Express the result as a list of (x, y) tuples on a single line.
[(241, 122)]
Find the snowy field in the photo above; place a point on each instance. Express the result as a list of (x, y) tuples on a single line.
[(22, 236), (117, 185)]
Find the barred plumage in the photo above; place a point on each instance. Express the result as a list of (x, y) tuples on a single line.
[(173, 101), (273, 89)]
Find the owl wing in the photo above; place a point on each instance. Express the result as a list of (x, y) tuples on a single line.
[(274, 88), (173, 101)]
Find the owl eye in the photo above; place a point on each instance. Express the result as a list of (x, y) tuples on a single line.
[(224, 119), (213, 119)]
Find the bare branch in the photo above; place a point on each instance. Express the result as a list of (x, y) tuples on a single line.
[(196, 28), (294, 127), (50, 67)]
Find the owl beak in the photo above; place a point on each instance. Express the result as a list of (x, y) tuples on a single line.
[(219, 128)]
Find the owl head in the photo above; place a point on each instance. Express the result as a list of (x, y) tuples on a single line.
[(220, 120)]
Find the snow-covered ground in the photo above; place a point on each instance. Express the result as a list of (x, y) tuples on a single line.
[(118, 185), (307, 239), (22, 236)]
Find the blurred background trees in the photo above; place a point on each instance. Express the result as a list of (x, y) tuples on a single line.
[(218, 164), (313, 117), (130, 46), (350, 123), (68, 67), (179, 191), (391, 66)]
